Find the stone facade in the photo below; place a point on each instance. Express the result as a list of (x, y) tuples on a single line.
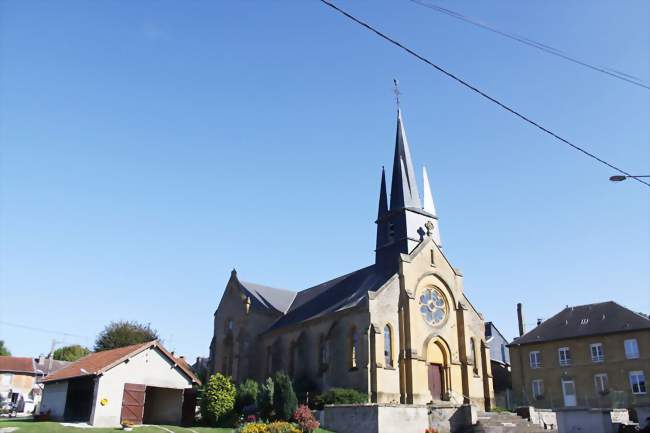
[(401, 330), (597, 366)]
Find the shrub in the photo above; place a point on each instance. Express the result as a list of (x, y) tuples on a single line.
[(265, 399), (305, 419), (247, 393), (253, 427), (282, 427), (218, 399), (284, 399), (343, 396)]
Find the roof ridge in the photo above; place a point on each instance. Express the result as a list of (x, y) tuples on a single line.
[(267, 286)]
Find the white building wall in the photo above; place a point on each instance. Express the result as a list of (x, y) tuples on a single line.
[(53, 400), (150, 368)]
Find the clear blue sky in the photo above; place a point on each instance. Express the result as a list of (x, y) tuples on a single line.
[(149, 147)]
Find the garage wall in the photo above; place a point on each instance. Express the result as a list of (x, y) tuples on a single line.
[(150, 368), (54, 396)]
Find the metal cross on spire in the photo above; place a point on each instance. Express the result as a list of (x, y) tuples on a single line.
[(396, 92)]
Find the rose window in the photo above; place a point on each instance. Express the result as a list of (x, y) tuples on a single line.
[(433, 306)]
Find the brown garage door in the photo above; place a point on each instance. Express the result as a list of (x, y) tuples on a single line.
[(133, 403)]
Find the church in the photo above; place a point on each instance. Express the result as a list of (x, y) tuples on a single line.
[(400, 330)]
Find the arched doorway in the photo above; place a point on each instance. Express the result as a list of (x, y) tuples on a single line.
[(438, 377)]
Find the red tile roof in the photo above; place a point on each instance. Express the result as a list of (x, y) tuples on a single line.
[(99, 362), (17, 365)]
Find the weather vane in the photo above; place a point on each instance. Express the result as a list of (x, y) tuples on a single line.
[(396, 92)]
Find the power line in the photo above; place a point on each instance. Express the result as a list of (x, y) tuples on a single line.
[(480, 92), (47, 331), (531, 43)]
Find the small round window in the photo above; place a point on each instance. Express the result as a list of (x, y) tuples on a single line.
[(433, 306)]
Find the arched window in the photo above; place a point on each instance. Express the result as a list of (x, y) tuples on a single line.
[(388, 346), (322, 353), (292, 358), (228, 325), (353, 344), (473, 358)]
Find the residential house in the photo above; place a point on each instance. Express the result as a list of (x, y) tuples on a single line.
[(17, 379), (595, 355), (20, 378), (500, 360)]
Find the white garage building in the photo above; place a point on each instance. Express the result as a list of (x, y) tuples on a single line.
[(141, 384)]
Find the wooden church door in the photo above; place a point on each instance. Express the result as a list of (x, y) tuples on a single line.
[(435, 381)]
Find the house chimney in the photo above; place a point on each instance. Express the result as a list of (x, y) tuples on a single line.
[(539, 321), (520, 319)]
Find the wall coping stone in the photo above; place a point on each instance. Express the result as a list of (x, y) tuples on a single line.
[(437, 405)]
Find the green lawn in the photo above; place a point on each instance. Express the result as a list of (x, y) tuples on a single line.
[(29, 426)]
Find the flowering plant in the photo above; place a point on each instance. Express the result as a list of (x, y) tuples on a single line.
[(305, 419)]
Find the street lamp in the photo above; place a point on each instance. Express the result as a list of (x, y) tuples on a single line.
[(621, 178)]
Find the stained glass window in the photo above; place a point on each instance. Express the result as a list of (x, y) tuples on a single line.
[(433, 306)]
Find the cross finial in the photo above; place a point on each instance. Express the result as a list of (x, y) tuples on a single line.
[(396, 91)]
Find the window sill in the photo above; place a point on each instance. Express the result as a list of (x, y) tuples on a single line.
[(633, 356), (389, 367), (353, 369)]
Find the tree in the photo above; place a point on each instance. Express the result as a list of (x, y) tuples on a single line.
[(124, 333), (70, 353), (284, 399), (218, 399), (246, 394), (265, 399), (3, 349)]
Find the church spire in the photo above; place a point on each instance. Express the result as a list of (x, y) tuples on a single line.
[(402, 227), (429, 207), (383, 198), (404, 189)]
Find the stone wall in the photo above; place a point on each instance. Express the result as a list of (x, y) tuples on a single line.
[(396, 418), (585, 420), (545, 418)]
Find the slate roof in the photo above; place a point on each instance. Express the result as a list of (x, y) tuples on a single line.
[(49, 365), (99, 362), (14, 364), (585, 320), (270, 297), (334, 295)]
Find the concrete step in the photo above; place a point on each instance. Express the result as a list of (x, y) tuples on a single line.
[(504, 422)]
